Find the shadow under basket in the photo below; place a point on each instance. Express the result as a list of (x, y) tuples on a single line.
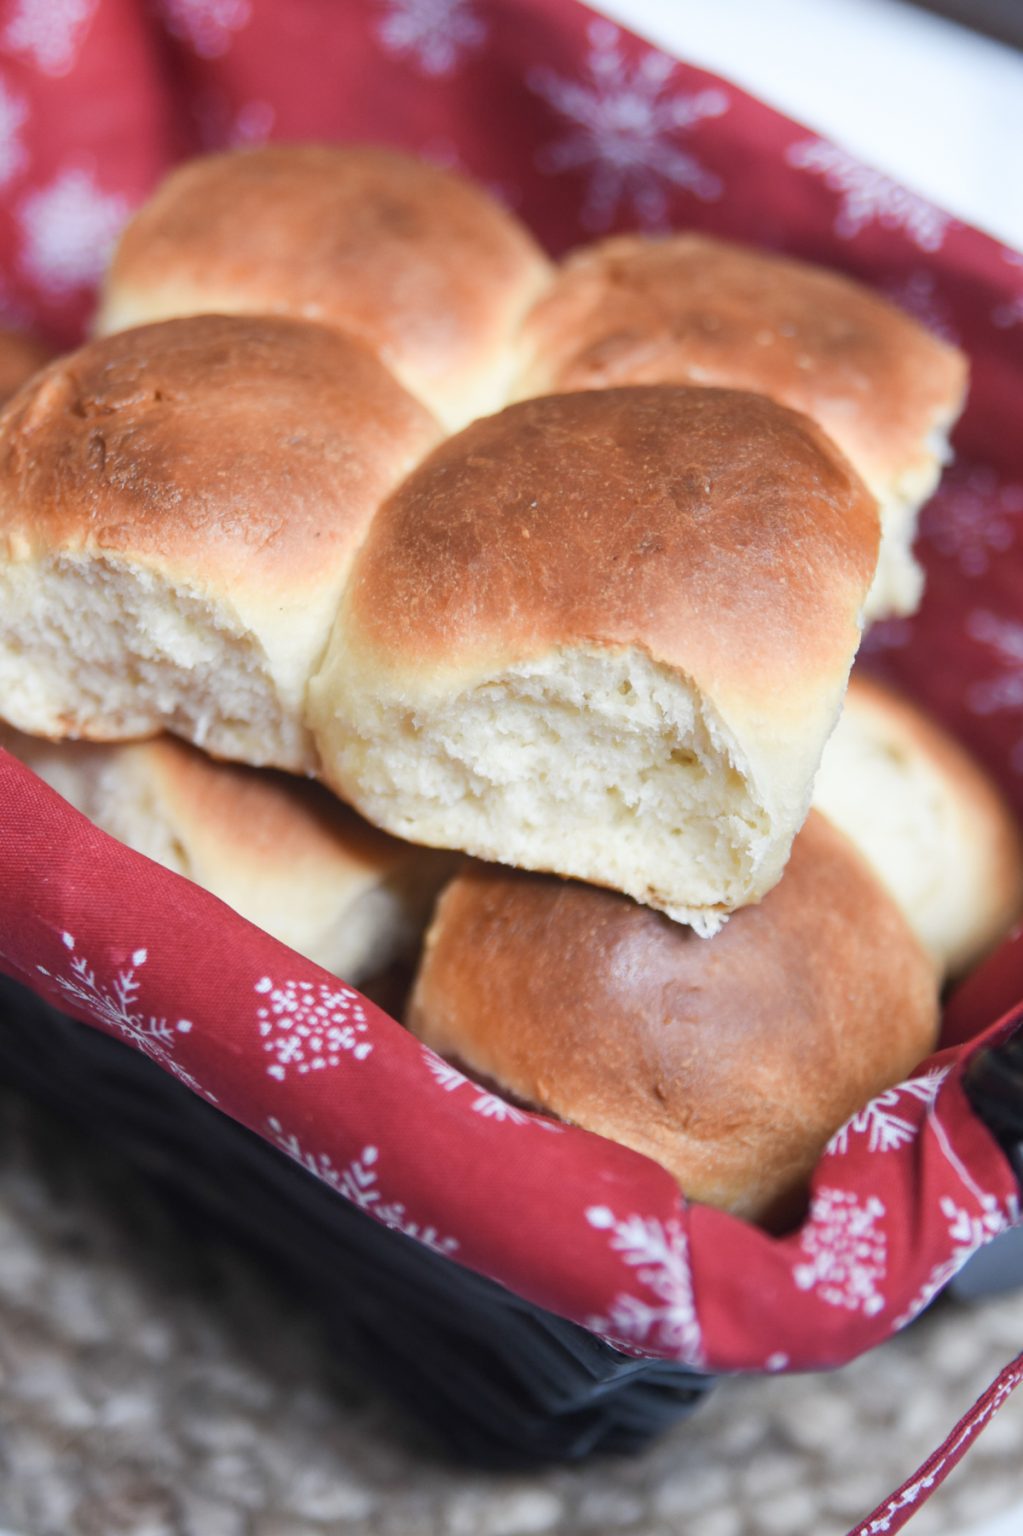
[(500, 1382)]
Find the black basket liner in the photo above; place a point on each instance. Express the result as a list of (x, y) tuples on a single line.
[(994, 1085), (500, 1382)]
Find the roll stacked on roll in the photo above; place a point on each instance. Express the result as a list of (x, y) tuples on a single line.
[(689, 309), (605, 635), (179, 508)]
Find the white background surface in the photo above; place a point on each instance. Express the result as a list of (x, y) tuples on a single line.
[(933, 104)]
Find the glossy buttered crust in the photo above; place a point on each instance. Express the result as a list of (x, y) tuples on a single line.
[(731, 1060), (716, 531), (426, 268), (244, 453), (692, 309)]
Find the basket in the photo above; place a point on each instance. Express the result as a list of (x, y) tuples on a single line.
[(549, 1290)]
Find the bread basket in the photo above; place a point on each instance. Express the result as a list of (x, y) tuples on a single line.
[(534, 1291)]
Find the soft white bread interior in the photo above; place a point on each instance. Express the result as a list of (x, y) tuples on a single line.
[(690, 309), (732, 1060), (282, 852), (179, 508), (427, 268), (605, 635), (927, 818)]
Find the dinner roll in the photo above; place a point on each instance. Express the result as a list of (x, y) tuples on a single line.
[(927, 818), (421, 264), (731, 1061), (279, 850), (20, 356), (179, 506), (605, 635), (694, 310)]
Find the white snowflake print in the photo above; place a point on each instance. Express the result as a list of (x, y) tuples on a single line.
[(1002, 693), (116, 1006), (490, 1105), (13, 113), (206, 25), (69, 229), (627, 118), (310, 1026), (1005, 316), (879, 1122), (436, 35), (917, 293), (969, 1232), (358, 1182), (973, 518), (846, 1251), (869, 197), (659, 1252), (221, 126), (49, 32)]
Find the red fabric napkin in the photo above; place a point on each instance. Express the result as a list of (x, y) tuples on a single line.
[(582, 129)]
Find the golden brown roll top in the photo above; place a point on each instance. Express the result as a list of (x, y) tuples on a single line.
[(423, 266), (179, 507), (281, 851), (689, 309), (929, 821), (605, 635), (730, 1061)]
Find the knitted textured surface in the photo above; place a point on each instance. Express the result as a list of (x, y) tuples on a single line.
[(155, 1384)]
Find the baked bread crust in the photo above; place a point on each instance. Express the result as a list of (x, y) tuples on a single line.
[(421, 264), (675, 571), (690, 309), (730, 1061), (179, 508)]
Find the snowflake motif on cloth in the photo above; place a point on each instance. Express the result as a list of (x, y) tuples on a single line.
[(917, 293), (659, 1253), (49, 32), (1004, 692), (207, 26), (359, 1183), (115, 1006), (868, 197), (490, 1105), (627, 118), (310, 1026), (222, 126), (435, 35), (969, 1232), (846, 1251), (13, 113), (69, 230), (973, 517), (885, 1130)]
